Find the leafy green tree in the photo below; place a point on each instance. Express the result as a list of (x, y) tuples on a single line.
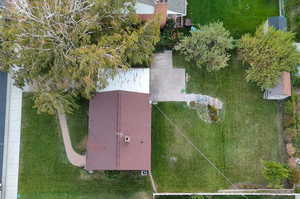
[(268, 53), (64, 48), (275, 173), (208, 46)]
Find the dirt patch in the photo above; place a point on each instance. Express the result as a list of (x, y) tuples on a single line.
[(290, 149), (81, 146), (84, 175), (246, 185), (142, 195)]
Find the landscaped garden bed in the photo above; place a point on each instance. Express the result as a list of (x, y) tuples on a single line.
[(45, 172), (250, 131)]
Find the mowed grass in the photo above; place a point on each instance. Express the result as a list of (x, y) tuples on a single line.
[(45, 172), (249, 132), (78, 126), (239, 16)]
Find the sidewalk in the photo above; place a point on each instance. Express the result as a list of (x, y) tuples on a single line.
[(12, 141)]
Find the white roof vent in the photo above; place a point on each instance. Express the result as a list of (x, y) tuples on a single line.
[(126, 139)]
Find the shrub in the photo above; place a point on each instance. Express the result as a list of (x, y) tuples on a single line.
[(289, 108), (169, 36), (290, 134), (207, 47), (295, 176), (296, 81), (275, 173), (213, 113), (289, 121)]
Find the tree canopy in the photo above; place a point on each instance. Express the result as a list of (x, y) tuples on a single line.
[(275, 173), (207, 46), (268, 53), (65, 48)]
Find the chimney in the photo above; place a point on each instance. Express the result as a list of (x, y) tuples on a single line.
[(161, 8)]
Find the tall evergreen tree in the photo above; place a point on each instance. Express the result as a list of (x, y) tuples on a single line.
[(268, 53), (64, 48)]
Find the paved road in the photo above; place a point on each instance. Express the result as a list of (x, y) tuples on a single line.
[(3, 88)]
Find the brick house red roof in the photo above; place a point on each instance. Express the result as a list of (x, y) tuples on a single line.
[(119, 131)]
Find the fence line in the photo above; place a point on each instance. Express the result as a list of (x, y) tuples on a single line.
[(281, 8)]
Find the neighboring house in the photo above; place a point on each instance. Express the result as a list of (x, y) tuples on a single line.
[(175, 9), (120, 124), (283, 89)]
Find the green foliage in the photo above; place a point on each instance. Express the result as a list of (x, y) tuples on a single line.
[(295, 176), (295, 81), (213, 113), (292, 7), (64, 51), (197, 197), (169, 36), (275, 173), (207, 47), (268, 54)]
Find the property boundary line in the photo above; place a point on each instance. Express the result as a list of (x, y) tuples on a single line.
[(223, 194)]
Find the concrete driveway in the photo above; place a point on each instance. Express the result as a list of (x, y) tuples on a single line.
[(166, 83)]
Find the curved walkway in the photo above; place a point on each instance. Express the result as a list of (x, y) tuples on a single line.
[(73, 157)]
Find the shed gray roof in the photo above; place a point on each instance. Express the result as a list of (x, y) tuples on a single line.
[(177, 6), (278, 22), (173, 5)]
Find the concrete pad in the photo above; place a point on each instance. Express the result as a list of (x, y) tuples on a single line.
[(162, 60), (167, 84)]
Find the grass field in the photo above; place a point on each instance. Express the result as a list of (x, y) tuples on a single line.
[(45, 172), (249, 133), (78, 125), (239, 16)]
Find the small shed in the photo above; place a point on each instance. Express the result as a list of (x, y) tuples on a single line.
[(120, 124), (283, 89)]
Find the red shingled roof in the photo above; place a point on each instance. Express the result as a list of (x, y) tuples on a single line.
[(113, 117)]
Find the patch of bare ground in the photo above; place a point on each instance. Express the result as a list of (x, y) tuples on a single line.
[(142, 195), (246, 186), (81, 146), (84, 175)]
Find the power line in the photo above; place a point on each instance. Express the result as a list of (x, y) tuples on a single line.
[(178, 130)]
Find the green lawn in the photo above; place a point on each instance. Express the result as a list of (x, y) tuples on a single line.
[(249, 133), (239, 16), (46, 174), (78, 125)]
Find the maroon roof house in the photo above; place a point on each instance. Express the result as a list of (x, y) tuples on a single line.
[(120, 128)]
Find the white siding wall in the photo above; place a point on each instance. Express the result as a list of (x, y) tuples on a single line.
[(141, 8)]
